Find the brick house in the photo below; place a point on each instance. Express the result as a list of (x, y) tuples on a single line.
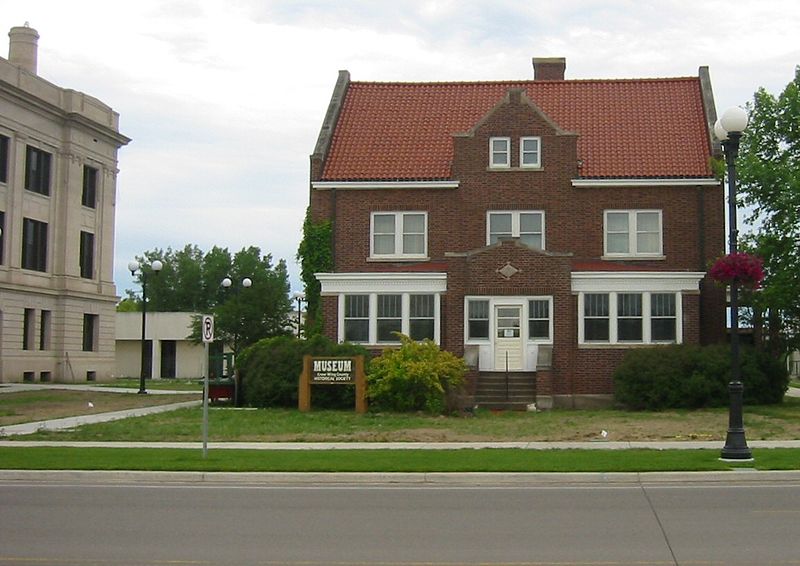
[(538, 228)]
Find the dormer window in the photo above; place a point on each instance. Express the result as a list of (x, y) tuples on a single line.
[(529, 152), (499, 153)]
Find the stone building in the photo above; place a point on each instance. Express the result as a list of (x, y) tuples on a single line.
[(58, 169)]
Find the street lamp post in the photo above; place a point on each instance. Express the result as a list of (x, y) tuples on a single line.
[(134, 266), (299, 296), (728, 130), (246, 283)]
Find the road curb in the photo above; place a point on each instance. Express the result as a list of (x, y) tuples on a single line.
[(474, 479)]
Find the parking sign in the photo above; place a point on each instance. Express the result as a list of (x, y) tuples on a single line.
[(208, 328)]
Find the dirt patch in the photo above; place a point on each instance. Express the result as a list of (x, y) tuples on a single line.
[(33, 406)]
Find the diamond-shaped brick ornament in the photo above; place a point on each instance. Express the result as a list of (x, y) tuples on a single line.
[(508, 271)]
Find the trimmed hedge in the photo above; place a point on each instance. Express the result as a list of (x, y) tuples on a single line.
[(689, 376), (270, 370)]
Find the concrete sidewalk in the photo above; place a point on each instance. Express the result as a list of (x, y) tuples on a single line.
[(16, 387)]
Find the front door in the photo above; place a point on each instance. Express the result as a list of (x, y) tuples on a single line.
[(508, 351)]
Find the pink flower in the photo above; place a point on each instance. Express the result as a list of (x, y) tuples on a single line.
[(744, 269)]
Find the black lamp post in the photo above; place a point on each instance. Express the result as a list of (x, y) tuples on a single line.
[(246, 283), (134, 266), (728, 130), (299, 296)]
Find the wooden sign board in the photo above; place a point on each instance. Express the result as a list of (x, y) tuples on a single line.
[(333, 371)]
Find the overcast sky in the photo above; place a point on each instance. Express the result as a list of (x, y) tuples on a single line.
[(224, 100)]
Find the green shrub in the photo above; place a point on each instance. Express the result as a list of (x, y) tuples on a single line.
[(270, 371), (418, 376), (689, 376)]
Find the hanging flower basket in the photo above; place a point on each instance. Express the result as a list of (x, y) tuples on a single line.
[(745, 269)]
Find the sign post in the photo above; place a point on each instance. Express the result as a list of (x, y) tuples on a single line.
[(332, 371), (207, 329)]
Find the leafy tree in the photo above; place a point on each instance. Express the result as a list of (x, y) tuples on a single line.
[(191, 281), (769, 183)]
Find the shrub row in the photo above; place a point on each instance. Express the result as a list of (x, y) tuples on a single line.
[(418, 376), (689, 376)]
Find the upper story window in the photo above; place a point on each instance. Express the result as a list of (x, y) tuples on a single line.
[(527, 225), (529, 152), (37, 171), (89, 195), (86, 258), (500, 152), (2, 234), (399, 235), (3, 159), (34, 245), (633, 233)]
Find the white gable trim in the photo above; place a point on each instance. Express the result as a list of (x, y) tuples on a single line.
[(337, 283), (659, 281), (371, 185), (599, 183)]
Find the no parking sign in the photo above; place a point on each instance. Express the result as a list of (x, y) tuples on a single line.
[(207, 328)]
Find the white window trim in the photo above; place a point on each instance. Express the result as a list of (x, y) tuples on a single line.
[(492, 164), (633, 252), (515, 223), (538, 163), (495, 300), (406, 318), (613, 339), (399, 223)]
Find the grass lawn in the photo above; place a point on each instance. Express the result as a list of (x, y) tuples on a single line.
[(32, 406), (773, 422), (464, 460)]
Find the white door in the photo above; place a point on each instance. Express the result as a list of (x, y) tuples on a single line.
[(508, 351)]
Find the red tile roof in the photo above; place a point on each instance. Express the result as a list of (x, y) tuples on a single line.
[(627, 128)]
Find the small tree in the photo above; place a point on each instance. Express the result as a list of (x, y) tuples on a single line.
[(418, 376)]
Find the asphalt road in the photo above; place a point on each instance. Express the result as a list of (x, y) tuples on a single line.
[(86, 523)]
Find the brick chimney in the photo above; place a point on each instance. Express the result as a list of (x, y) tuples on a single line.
[(549, 68), (22, 47)]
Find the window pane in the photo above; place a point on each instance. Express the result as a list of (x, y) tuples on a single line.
[(356, 306), (647, 243), (420, 329), (384, 245), (629, 329), (617, 221), (532, 240), (617, 243), (662, 329), (387, 328), (390, 306), (530, 222), (539, 309), (356, 330), (595, 304), (662, 304), (414, 244), (595, 329), (647, 222), (500, 224), (539, 329), (478, 328), (413, 223), (629, 304), (421, 306), (479, 319), (384, 223), (530, 151)]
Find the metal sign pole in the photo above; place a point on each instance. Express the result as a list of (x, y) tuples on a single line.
[(207, 330)]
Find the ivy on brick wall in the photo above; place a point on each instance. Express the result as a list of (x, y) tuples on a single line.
[(315, 255)]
